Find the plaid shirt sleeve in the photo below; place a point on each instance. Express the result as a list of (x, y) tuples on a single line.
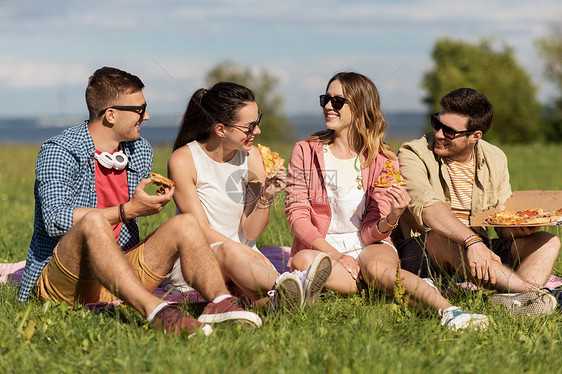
[(55, 187)]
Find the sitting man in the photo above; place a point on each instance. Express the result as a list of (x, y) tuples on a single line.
[(89, 193), (451, 174)]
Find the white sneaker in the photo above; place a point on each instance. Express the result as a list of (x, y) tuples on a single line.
[(313, 279), (455, 319), (526, 304), (287, 294)]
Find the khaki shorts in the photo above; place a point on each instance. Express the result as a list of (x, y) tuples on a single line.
[(58, 284)]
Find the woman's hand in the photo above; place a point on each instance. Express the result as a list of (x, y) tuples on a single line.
[(348, 264), (400, 200), (273, 186)]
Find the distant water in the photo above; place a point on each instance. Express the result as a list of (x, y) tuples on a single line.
[(401, 125)]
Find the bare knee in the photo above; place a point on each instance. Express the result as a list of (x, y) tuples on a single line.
[(92, 223), (546, 243), (183, 222), (302, 260), (226, 253), (183, 228)]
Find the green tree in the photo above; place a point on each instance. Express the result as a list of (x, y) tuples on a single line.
[(274, 125), (550, 48), (495, 73)]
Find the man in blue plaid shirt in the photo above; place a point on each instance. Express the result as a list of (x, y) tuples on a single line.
[(89, 193)]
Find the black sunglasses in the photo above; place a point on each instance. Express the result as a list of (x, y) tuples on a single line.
[(448, 132), (247, 129), (337, 102), (140, 109)]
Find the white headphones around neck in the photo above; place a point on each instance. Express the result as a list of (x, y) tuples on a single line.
[(117, 161)]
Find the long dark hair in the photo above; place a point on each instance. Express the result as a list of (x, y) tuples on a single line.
[(218, 104)]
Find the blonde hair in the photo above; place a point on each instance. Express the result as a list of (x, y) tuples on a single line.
[(368, 125)]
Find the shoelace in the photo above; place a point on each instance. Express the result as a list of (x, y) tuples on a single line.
[(236, 302), (299, 274), (170, 317), (244, 302)]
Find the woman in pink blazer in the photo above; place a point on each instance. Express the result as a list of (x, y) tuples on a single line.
[(333, 206)]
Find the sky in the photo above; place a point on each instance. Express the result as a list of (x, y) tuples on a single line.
[(48, 49)]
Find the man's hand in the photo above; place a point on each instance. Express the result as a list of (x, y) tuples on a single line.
[(348, 264), (143, 204), (480, 258)]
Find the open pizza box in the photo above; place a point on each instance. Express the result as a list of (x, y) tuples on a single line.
[(522, 200)]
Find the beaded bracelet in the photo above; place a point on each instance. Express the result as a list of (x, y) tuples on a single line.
[(474, 241), (470, 237), (263, 203)]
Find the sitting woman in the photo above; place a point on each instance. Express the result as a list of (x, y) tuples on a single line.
[(220, 178), (333, 206)]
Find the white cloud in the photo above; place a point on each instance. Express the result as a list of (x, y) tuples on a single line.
[(172, 44), (40, 74)]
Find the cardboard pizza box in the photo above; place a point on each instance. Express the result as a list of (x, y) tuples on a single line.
[(522, 200)]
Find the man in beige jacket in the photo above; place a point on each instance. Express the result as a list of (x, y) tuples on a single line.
[(451, 174)]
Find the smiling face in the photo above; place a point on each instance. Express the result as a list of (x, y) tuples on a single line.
[(237, 133), (126, 124), (462, 146), (337, 120)]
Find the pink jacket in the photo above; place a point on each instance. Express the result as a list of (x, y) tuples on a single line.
[(307, 208)]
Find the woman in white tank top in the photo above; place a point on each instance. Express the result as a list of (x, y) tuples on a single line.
[(220, 178), (334, 207)]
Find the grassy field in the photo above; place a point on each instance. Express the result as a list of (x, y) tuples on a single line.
[(363, 333)]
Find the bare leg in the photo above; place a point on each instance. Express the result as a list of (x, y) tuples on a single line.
[(249, 270), (340, 280), (89, 250), (380, 262), (536, 254), (182, 236), (446, 253)]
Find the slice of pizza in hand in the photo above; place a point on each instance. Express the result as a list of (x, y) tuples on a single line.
[(271, 161), (389, 175), (161, 180)]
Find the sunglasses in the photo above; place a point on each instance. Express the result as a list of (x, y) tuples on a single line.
[(448, 132), (337, 102), (247, 129), (140, 109)]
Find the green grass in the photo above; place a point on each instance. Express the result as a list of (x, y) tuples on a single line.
[(340, 335)]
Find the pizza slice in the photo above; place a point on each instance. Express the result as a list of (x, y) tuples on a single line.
[(161, 180), (523, 217), (555, 215), (507, 217), (389, 175), (271, 161)]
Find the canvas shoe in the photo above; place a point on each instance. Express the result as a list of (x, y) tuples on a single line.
[(287, 294), (229, 309), (173, 321), (557, 293), (313, 279), (455, 319), (526, 304)]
